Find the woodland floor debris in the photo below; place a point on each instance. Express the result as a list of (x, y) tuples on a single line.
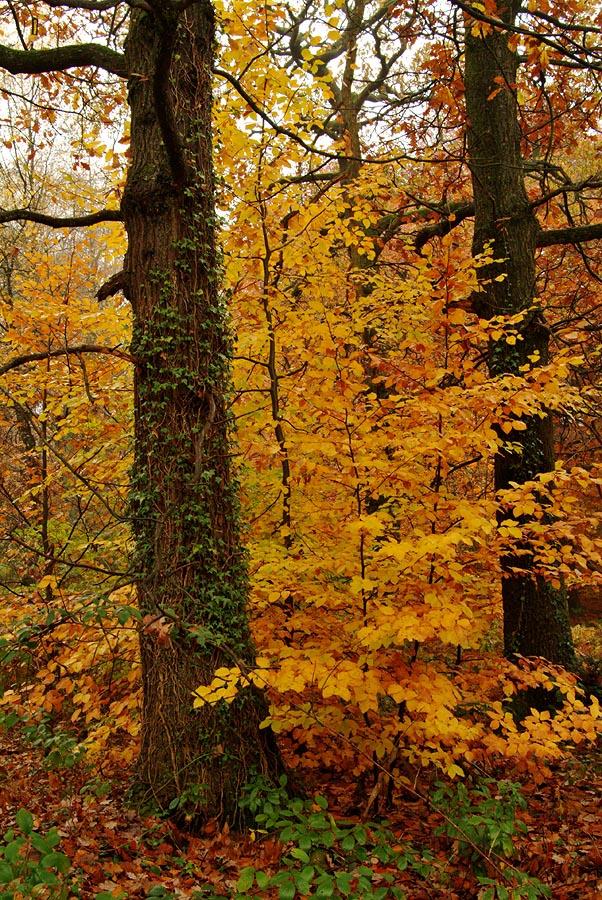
[(115, 850)]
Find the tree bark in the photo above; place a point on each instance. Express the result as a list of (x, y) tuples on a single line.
[(193, 574), (535, 614)]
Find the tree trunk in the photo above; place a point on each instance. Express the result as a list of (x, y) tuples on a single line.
[(535, 614), (193, 575)]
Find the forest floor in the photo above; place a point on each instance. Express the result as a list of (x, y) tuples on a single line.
[(114, 850), (117, 853)]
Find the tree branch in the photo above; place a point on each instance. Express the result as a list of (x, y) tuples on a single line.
[(279, 129), (589, 62), (64, 351), (59, 59), (564, 26), (286, 132), (443, 226), (115, 284), (164, 100), (17, 25), (93, 5), (579, 234), (592, 181), (30, 215), (547, 237)]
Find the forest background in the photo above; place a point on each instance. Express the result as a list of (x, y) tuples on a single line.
[(407, 201)]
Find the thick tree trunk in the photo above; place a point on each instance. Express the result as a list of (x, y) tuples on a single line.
[(193, 575), (535, 614)]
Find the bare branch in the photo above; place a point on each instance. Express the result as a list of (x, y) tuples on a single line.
[(563, 26), (325, 154), (547, 237), (93, 5), (26, 358), (30, 215), (59, 59), (443, 226), (279, 129), (17, 25), (116, 283), (571, 187), (578, 234)]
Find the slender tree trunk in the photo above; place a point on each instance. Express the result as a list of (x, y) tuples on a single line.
[(193, 582), (535, 614)]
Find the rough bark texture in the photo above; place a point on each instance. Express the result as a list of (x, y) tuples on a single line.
[(535, 614), (193, 575)]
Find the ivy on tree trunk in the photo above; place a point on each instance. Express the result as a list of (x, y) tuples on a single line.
[(193, 585)]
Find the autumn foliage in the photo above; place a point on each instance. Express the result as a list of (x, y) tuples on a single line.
[(365, 416)]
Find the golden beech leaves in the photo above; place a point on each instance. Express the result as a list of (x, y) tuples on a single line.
[(392, 540), (228, 681), (66, 477)]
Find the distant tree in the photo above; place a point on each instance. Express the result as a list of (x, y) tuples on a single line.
[(536, 621)]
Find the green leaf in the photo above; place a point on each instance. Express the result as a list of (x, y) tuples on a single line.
[(287, 891), (344, 880), (360, 834), (12, 850), (348, 843), (24, 820), (245, 879), (45, 876), (57, 861), (305, 841), (327, 839), (318, 821), (298, 853), (6, 873), (52, 838), (325, 886), (40, 843), (262, 880), (307, 873)]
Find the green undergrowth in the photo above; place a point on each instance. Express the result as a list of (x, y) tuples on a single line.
[(327, 857), (59, 748), (30, 863), (322, 856), (482, 824)]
